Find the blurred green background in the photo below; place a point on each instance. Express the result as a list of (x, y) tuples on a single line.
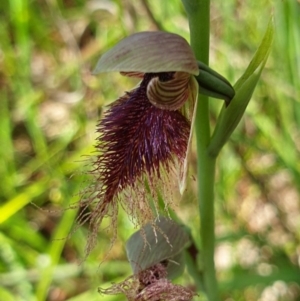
[(49, 107)]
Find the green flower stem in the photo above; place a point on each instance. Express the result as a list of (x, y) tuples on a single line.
[(198, 12)]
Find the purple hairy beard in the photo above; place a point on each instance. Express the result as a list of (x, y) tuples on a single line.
[(139, 146)]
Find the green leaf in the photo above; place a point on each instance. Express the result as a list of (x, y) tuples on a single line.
[(230, 117), (164, 240), (261, 55)]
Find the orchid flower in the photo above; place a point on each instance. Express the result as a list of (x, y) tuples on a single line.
[(151, 285), (145, 135)]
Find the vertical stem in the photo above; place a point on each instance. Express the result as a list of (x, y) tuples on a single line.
[(198, 12)]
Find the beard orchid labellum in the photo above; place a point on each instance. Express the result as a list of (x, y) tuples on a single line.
[(144, 135)]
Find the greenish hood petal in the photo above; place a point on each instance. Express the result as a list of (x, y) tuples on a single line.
[(149, 52)]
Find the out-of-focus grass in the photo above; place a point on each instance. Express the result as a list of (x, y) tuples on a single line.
[(49, 108)]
